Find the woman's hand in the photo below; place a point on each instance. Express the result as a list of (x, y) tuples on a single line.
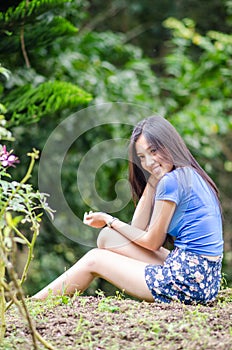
[(97, 220), (152, 181)]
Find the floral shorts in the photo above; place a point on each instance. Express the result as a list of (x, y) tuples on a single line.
[(185, 276)]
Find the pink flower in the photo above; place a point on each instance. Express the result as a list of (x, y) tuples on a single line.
[(7, 158)]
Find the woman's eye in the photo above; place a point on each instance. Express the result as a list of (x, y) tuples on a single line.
[(153, 151), (141, 158)]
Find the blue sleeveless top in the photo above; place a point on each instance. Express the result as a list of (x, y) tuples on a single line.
[(196, 223)]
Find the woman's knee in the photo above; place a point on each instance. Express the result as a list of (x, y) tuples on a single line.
[(103, 238), (94, 261), (111, 240), (90, 259)]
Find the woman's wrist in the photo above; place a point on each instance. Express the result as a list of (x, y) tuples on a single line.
[(151, 183), (110, 221)]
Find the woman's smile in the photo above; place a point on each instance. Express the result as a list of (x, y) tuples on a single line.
[(156, 168)]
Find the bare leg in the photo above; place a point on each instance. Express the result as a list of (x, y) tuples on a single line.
[(112, 240), (123, 272), (118, 260)]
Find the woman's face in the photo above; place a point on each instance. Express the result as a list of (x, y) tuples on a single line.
[(151, 160)]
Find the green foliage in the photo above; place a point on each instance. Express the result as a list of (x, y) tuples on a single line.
[(30, 20), (5, 134), (142, 20), (27, 95), (196, 93), (28, 10), (55, 27), (6, 73), (197, 86), (29, 104), (109, 68)]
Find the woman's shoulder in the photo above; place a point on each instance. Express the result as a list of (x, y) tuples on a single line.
[(179, 177), (180, 173), (169, 186)]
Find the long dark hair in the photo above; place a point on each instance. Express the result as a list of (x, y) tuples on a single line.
[(161, 135)]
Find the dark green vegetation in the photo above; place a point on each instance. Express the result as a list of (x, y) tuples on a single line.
[(94, 323), (63, 56)]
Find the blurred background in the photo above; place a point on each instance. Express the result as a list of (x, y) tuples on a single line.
[(172, 56)]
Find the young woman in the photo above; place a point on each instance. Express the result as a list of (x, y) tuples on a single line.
[(176, 198)]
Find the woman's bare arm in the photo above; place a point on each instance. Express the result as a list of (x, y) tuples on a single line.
[(151, 239), (144, 207), (155, 236)]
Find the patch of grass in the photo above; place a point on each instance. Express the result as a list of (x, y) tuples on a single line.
[(39, 307), (107, 305), (225, 295), (12, 343), (82, 322)]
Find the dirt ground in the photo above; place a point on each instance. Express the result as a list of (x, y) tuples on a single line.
[(114, 323)]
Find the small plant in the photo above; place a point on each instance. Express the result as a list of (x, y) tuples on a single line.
[(107, 305), (20, 217), (119, 295)]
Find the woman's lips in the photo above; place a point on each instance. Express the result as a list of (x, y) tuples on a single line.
[(154, 168)]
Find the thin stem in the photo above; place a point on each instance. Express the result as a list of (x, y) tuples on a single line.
[(22, 40), (18, 233), (30, 168), (43, 341), (2, 291), (2, 303), (2, 314), (23, 309), (30, 245), (29, 257), (23, 47)]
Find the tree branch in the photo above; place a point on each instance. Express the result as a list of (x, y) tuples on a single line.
[(108, 13)]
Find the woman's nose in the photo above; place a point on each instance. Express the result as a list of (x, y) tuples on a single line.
[(150, 160)]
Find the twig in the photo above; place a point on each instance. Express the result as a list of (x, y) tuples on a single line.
[(2, 303), (110, 12), (22, 40), (23, 310), (23, 47), (29, 257), (18, 232)]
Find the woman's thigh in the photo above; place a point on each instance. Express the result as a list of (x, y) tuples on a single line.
[(125, 273)]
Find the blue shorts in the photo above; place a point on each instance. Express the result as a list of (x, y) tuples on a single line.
[(185, 276)]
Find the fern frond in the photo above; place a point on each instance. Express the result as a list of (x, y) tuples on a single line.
[(29, 104)]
